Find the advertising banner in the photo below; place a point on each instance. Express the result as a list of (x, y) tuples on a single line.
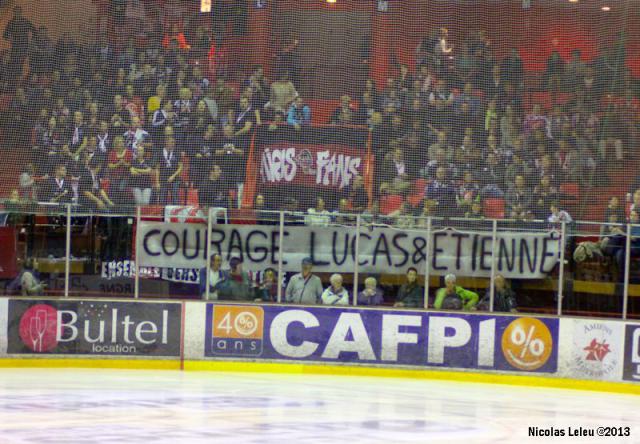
[(402, 338), (93, 328), (332, 249), (632, 353), (3, 326), (597, 350)]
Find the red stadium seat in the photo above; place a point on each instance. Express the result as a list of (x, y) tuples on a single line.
[(390, 203), (417, 192), (493, 208)]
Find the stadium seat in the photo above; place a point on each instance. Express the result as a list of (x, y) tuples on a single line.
[(417, 192), (493, 208), (390, 203)]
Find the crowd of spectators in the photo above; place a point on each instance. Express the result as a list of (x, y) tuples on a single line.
[(108, 127)]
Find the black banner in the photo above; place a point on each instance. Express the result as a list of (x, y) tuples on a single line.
[(94, 328)]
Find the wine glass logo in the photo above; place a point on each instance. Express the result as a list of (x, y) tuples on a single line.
[(38, 328)]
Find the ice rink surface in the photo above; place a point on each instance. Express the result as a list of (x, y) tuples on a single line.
[(68, 406)]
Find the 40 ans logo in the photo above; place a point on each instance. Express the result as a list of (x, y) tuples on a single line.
[(527, 344), (237, 330)]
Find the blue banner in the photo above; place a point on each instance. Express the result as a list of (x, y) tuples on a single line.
[(383, 337)]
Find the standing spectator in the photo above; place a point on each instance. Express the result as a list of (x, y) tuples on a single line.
[(371, 295), (91, 195), (237, 286), (454, 297), (299, 114), (512, 69), (230, 155), (168, 169), (135, 134), (217, 276), (283, 93), (304, 287), (19, 31), (119, 165), (554, 72), (335, 294), (141, 177), (410, 294)]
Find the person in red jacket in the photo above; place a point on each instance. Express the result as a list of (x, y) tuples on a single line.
[(177, 35)]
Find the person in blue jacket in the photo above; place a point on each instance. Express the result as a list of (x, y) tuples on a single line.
[(217, 276)]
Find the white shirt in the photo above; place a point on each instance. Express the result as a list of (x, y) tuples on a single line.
[(214, 278)]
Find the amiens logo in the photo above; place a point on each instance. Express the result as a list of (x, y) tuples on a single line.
[(39, 328), (527, 344), (237, 330)]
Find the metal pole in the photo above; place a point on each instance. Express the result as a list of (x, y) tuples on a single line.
[(356, 266), (280, 245), (427, 265), (563, 242), (627, 261), (136, 282), (67, 256), (207, 248), (492, 281)]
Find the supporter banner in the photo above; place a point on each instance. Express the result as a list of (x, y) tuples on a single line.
[(323, 166), (597, 350), (323, 158), (632, 353), (115, 270), (332, 249), (465, 341), (93, 328), (3, 326), (8, 265)]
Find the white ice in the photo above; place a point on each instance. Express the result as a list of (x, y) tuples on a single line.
[(69, 406)]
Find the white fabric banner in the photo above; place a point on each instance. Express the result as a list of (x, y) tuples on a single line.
[(332, 249)]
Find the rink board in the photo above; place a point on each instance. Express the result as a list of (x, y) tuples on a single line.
[(550, 351)]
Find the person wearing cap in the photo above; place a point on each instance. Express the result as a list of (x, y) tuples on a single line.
[(304, 287), (237, 287), (454, 297), (335, 294)]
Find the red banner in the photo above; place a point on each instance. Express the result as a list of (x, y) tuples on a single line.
[(329, 166), (8, 256)]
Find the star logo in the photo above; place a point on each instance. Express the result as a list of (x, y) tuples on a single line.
[(597, 350)]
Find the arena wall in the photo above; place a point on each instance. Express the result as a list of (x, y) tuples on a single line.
[(513, 349)]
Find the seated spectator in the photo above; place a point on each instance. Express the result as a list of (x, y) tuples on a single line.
[(410, 294), (518, 200), (543, 195), (318, 216), (614, 207), (299, 114), (454, 297), (175, 38), (214, 192), (141, 177), (90, 192), (344, 114), (304, 287), (357, 195), (28, 281), (475, 211), (267, 289), (504, 298), (335, 294), (441, 191), (371, 295), (57, 189), (468, 193), (557, 215)]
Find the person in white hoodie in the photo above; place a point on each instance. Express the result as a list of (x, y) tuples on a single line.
[(335, 294)]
